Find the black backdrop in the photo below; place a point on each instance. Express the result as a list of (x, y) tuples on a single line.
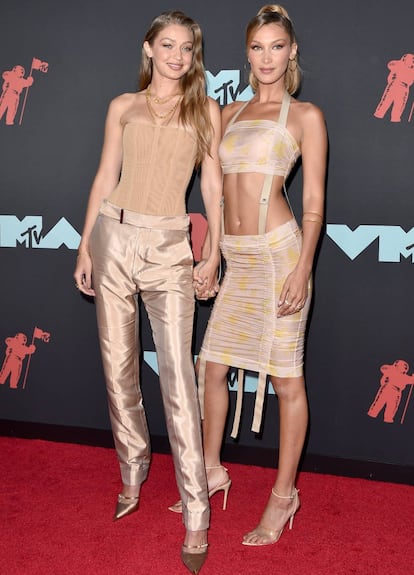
[(84, 53)]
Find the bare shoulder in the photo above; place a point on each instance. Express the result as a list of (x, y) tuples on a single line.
[(307, 113), (120, 104), (213, 107), (308, 126), (123, 100), (229, 111)]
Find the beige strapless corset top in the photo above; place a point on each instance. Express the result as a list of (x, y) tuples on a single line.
[(157, 164)]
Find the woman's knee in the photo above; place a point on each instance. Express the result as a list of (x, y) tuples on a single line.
[(288, 387), (216, 375)]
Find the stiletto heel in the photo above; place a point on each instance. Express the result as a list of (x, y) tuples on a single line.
[(224, 486), (194, 561), (125, 506), (255, 538)]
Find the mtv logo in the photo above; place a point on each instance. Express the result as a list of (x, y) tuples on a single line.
[(29, 233), (225, 87)]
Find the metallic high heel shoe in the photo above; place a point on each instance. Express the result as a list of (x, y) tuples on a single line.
[(223, 486), (271, 535), (194, 561), (125, 506)]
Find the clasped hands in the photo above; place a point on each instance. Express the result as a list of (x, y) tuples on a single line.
[(205, 281)]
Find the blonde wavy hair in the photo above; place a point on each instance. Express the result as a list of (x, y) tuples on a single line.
[(276, 14), (194, 110)]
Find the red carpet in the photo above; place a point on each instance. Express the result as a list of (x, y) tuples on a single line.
[(57, 502)]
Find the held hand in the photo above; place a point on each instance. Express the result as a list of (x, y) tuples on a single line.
[(294, 293), (204, 294), (205, 281), (83, 274)]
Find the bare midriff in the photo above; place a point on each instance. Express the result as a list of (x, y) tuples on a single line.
[(241, 203)]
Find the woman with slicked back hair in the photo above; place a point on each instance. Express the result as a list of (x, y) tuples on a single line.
[(259, 318), (135, 243)]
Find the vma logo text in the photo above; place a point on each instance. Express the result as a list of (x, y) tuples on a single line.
[(225, 87), (393, 241), (29, 233)]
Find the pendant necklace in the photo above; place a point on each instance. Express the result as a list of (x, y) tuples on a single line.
[(166, 116), (158, 100)]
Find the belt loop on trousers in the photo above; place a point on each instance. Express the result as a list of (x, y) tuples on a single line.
[(121, 216)]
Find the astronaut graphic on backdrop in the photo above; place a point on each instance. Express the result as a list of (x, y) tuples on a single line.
[(394, 380), (16, 351), (13, 85), (395, 96)]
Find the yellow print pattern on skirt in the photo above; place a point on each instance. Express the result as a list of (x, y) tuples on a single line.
[(244, 330)]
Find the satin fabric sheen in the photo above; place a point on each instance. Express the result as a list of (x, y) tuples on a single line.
[(150, 256)]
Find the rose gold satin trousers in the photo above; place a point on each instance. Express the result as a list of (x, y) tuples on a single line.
[(150, 255)]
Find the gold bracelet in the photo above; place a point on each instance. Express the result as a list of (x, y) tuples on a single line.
[(317, 214), (312, 220), (83, 253), (312, 217)]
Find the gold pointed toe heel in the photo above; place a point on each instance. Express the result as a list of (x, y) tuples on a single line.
[(263, 535), (194, 560), (125, 506), (177, 507), (224, 486)]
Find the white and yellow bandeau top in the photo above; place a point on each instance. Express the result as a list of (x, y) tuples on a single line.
[(157, 165), (263, 146)]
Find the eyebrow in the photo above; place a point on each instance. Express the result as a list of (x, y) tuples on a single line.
[(175, 41), (271, 42)]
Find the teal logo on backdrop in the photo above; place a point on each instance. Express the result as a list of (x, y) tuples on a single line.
[(29, 233), (393, 241), (226, 87), (250, 381)]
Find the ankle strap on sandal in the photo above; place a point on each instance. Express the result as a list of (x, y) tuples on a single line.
[(294, 494), (122, 498), (201, 546), (215, 467)]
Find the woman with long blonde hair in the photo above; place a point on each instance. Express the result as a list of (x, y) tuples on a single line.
[(135, 242)]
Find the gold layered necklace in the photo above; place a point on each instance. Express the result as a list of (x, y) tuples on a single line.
[(165, 116)]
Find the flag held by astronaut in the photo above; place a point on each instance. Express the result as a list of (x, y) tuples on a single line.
[(39, 65), (40, 334)]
